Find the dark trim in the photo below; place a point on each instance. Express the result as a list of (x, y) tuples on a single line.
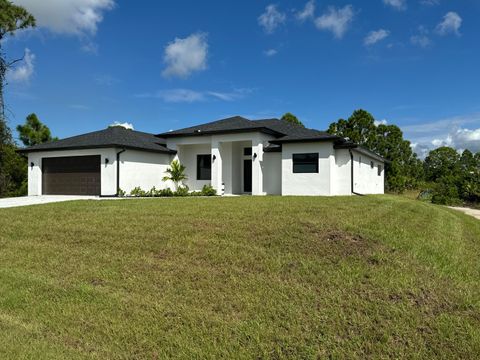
[(273, 149), (214, 132), (118, 170), (169, 151), (302, 140), (361, 150)]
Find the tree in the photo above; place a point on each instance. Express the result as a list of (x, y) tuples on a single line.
[(444, 161), (12, 18), (34, 132), (176, 173), (289, 117), (404, 170), (359, 128)]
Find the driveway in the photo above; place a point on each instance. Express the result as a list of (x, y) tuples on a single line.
[(472, 212), (38, 200)]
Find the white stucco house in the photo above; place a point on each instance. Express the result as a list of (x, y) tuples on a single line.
[(234, 155)]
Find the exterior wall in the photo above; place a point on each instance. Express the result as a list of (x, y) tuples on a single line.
[(143, 169), (308, 184), (366, 179), (223, 167), (342, 180), (187, 155), (108, 172), (272, 173)]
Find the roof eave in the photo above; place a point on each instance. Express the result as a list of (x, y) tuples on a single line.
[(217, 132), (28, 150)]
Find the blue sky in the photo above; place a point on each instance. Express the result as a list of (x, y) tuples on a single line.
[(163, 65)]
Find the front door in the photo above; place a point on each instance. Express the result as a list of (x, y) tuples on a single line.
[(247, 176)]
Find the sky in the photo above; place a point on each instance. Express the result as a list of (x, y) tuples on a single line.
[(162, 65)]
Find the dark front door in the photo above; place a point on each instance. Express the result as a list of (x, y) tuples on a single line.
[(247, 175), (72, 175)]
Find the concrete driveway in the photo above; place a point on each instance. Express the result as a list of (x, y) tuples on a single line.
[(38, 200), (472, 212)]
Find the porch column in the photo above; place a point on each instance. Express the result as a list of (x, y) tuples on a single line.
[(216, 167), (257, 167)]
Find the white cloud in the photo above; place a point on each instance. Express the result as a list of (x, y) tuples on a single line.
[(430, 2), (191, 96), (271, 19), (270, 52), (336, 20), (126, 125), (375, 36), (308, 11), (78, 17), (396, 4), (184, 56), (24, 71), (420, 40), (450, 25), (380, 122), (459, 132)]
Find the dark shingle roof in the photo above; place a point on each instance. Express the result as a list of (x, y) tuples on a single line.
[(228, 125), (115, 136)]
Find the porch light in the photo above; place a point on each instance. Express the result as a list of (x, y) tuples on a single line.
[(106, 161), (255, 156), (32, 165), (214, 158)]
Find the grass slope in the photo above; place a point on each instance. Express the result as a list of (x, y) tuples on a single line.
[(246, 277)]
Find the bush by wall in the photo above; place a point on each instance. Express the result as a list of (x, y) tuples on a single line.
[(182, 191)]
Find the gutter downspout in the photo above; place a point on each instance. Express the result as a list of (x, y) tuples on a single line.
[(118, 170), (351, 174)]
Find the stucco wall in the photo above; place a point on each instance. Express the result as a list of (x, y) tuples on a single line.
[(366, 179), (187, 155), (341, 179), (108, 171), (308, 184), (143, 169), (272, 173)]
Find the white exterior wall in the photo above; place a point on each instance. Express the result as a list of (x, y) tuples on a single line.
[(366, 179), (342, 181), (223, 167), (308, 184), (108, 172), (143, 169), (137, 168), (272, 173)]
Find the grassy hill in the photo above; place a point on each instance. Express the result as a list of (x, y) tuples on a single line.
[(245, 277)]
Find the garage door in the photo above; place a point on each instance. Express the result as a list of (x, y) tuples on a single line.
[(73, 175)]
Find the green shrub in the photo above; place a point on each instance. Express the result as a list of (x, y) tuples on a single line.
[(138, 192), (121, 193), (182, 191), (445, 191), (208, 190), (165, 193)]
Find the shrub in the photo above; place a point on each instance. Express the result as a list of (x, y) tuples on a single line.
[(208, 190), (121, 193), (182, 191), (446, 191), (165, 193), (138, 192)]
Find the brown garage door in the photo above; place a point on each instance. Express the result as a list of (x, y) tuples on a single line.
[(73, 175)]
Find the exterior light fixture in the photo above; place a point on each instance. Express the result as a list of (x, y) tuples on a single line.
[(214, 158), (32, 164), (255, 156), (106, 161)]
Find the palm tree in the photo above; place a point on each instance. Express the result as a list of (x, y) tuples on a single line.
[(176, 173)]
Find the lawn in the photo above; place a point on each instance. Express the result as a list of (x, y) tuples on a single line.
[(245, 277)]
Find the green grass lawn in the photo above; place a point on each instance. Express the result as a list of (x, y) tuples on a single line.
[(245, 277)]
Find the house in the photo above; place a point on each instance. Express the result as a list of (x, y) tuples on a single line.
[(234, 155)]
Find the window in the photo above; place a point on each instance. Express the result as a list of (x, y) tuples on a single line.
[(247, 151), (204, 167), (305, 163), (379, 170)]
